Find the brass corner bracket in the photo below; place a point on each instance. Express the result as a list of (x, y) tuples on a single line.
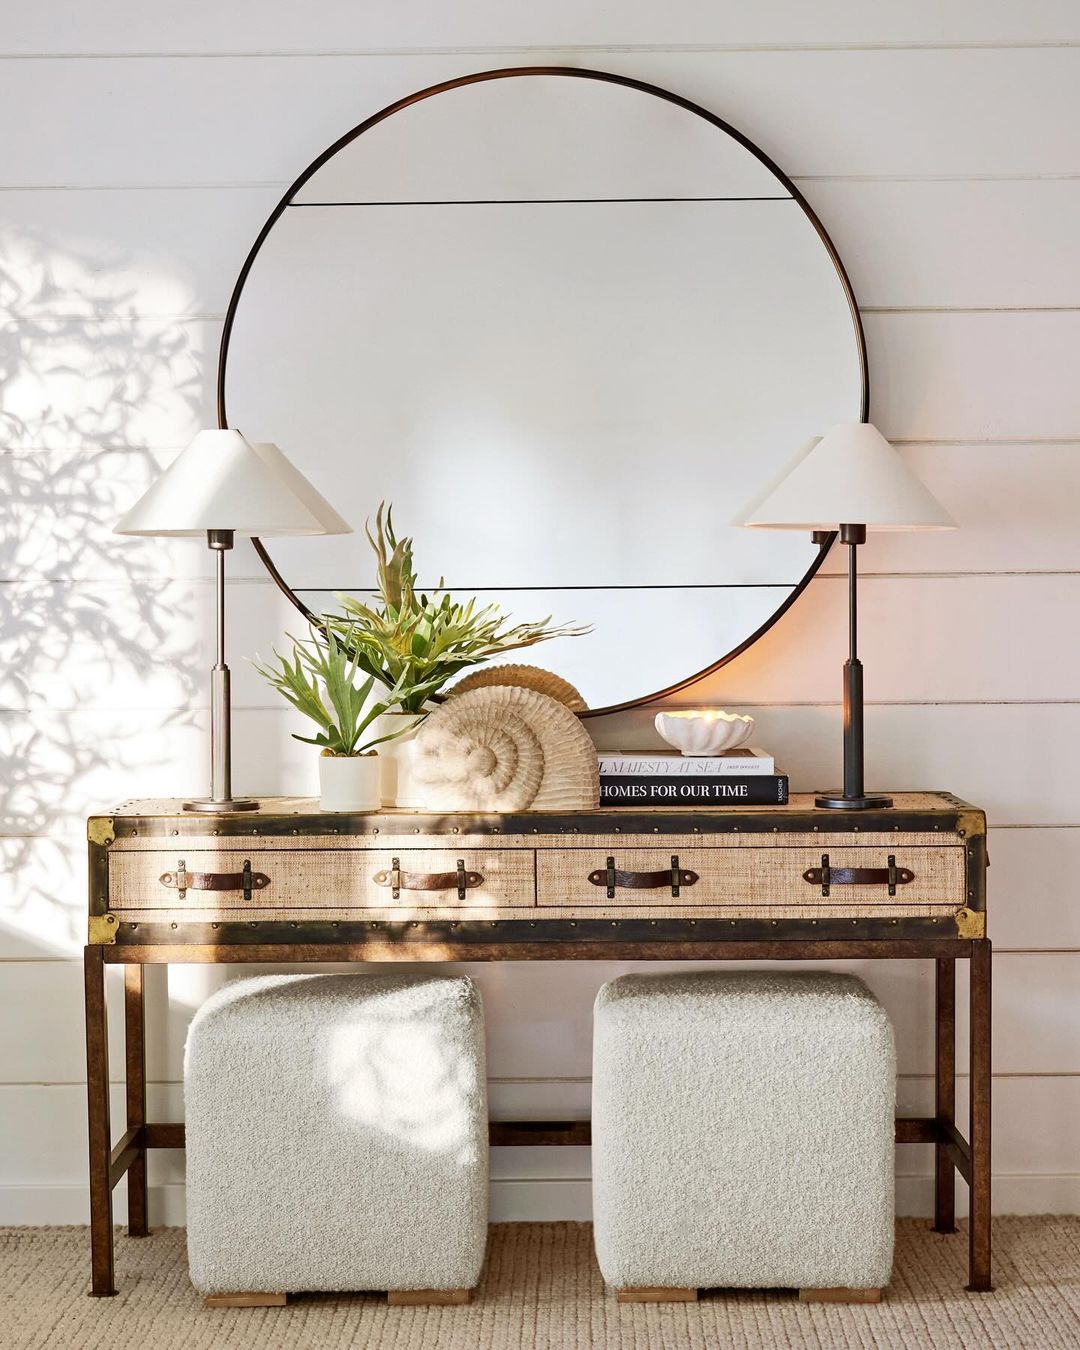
[(101, 930), (971, 824), (100, 830), (970, 923)]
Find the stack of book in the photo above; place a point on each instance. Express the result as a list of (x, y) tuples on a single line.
[(745, 777)]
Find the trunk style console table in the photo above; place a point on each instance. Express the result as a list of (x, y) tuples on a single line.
[(292, 883)]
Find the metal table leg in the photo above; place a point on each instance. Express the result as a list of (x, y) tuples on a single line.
[(945, 1094), (103, 1283), (979, 1130), (135, 1056)]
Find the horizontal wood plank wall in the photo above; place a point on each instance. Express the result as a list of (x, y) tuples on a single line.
[(159, 142)]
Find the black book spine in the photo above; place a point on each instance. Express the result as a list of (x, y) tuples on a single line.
[(729, 790)]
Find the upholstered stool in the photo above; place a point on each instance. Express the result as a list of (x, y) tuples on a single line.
[(337, 1138), (743, 1129)]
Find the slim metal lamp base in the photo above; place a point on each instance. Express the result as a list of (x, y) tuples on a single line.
[(222, 808), (837, 801)]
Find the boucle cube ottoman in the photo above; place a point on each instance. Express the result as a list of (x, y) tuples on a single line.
[(337, 1138), (743, 1135)]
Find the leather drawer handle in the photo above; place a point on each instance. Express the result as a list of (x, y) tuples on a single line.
[(617, 878), (826, 876), (399, 881), (245, 880)]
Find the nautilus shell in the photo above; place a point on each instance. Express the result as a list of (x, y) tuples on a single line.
[(504, 748), (528, 677)]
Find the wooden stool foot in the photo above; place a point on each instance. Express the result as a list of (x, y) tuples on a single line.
[(647, 1294), (433, 1298), (839, 1295), (245, 1300)]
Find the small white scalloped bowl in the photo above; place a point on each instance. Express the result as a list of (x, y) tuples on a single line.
[(705, 732)]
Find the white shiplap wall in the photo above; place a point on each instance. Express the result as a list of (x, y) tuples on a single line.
[(144, 147)]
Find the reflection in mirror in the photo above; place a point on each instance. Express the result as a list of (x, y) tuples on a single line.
[(569, 327)]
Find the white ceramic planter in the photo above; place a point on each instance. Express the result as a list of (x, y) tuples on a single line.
[(394, 756), (349, 782)]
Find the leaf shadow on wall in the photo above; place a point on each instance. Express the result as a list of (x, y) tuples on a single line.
[(100, 648)]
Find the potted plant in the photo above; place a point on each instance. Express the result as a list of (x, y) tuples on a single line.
[(320, 681), (416, 644)]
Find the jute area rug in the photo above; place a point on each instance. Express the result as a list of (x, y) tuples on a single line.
[(541, 1288)]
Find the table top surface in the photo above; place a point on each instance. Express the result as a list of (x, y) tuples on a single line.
[(305, 815)]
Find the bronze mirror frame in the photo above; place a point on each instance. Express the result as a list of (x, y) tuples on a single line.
[(513, 72)]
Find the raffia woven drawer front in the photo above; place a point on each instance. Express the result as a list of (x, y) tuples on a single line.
[(308, 882), (752, 879)]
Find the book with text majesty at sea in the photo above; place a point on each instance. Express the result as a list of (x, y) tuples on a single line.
[(719, 790), (658, 763)]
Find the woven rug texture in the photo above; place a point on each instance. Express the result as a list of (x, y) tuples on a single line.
[(541, 1290)]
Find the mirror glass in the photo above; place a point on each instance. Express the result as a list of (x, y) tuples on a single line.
[(568, 326)]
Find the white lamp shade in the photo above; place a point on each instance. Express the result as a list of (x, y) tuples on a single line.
[(316, 503), (852, 476), (763, 494), (221, 483)]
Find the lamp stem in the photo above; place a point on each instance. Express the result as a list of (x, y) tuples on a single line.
[(221, 798), (853, 681), (220, 700), (853, 797), (220, 589), (853, 600)]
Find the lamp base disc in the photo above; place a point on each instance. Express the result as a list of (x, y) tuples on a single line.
[(222, 808), (836, 801)]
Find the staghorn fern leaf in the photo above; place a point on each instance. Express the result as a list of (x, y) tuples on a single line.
[(415, 644)]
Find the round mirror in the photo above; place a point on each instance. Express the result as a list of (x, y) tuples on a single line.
[(568, 324)]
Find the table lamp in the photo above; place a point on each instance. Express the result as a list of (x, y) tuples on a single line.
[(222, 486), (851, 480)]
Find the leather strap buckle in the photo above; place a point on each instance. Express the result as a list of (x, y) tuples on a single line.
[(245, 880), (460, 880), (891, 876), (614, 878)]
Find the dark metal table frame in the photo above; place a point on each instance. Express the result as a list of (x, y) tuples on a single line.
[(521, 941)]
